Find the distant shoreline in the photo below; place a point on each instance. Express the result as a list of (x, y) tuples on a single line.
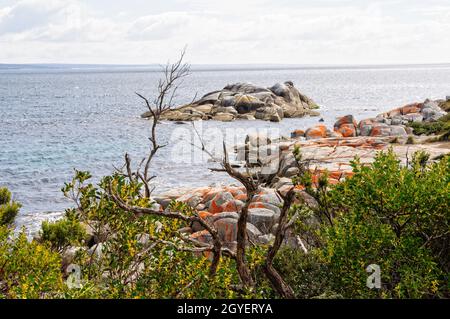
[(27, 67)]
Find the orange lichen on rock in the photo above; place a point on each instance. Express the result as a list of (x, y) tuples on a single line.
[(241, 197), (232, 206), (411, 108), (204, 214), (347, 130), (318, 131), (202, 236)]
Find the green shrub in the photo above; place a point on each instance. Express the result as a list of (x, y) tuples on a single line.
[(5, 195), (410, 140), (395, 217), (8, 209), (442, 126), (8, 213), (139, 259), (445, 105), (307, 274), (62, 233), (28, 269)]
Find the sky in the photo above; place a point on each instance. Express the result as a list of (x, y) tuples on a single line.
[(225, 32)]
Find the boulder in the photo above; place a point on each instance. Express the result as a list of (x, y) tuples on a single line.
[(318, 131), (247, 117), (202, 236), (266, 113), (253, 232), (177, 115), (411, 108), (413, 117), (291, 172), (227, 101), (262, 218), (346, 130), (216, 217), (257, 139), (265, 239), (281, 181), (432, 111), (193, 200), (346, 126), (245, 103), (227, 230), (224, 117), (275, 118), (219, 200), (380, 129), (96, 251), (398, 130), (226, 109), (297, 134), (307, 199), (205, 108), (68, 255), (348, 119)]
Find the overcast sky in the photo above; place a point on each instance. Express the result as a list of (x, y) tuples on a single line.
[(226, 31)]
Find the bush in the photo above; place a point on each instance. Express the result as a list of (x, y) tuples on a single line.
[(8, 208), (8, 213), (5, 195), (28, 269), (442, 126), (138, 256), (62, 233), (306, 273), (395, 217)]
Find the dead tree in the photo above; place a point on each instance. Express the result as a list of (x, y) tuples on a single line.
[(272, 274), (251, 188), (168, 85)]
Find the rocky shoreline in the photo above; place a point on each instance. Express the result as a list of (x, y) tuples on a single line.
[(246, 101), (325, 149)]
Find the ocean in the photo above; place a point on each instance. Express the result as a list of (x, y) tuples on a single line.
[(57, 118)]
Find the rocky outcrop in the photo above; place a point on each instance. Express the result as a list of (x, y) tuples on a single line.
[(221, 207), (247, 102), (394, 122), (328, 153)]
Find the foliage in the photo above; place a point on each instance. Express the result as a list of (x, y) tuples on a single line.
[(139, 255), (8, 208), (5, 195), (306, 273), (62, 233), (442, 126), (396, 217), (386, 214)]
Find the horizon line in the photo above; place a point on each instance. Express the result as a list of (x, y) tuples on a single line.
[(228, 64)]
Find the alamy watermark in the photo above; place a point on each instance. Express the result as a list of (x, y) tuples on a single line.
[(374, 279)]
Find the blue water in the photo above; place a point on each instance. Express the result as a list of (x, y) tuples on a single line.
[(53, 120)]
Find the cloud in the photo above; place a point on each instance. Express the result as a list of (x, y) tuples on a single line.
[(285, 31)]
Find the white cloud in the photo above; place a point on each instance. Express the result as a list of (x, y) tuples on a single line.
[(235, 31)]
